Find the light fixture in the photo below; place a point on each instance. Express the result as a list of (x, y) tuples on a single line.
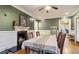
[(47, 8)]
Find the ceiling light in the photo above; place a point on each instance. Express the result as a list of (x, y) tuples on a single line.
[(47, 8)]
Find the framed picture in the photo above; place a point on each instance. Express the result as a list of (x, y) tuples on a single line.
[(22, 20)]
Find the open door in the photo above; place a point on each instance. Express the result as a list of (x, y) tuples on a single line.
[(65, 23)]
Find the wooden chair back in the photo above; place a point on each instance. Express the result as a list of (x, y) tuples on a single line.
[(62, 40), (58, 39), (37, 33), (30, 35)]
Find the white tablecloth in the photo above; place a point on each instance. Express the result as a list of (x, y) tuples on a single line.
[(47, 42)]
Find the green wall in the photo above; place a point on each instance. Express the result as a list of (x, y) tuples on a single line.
[(45, 25), (72, 22), (12, 14)]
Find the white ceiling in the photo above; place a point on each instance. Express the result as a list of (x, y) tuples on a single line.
[(63, 10)]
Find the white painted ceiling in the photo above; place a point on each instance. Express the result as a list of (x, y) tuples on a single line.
[(63, 10)]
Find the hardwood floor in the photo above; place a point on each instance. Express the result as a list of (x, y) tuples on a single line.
[(20, 52), (72, 48)]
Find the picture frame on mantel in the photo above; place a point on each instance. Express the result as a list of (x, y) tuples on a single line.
[(22, 20)]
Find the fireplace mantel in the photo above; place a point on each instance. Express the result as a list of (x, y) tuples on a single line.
[(21, 28)]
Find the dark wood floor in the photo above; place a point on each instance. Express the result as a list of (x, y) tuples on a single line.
[(72, 48)]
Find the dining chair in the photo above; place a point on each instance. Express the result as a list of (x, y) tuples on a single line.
[(37, 33), (58, 39), (30, 35), (58, 43), (29, 49), (62, 40)]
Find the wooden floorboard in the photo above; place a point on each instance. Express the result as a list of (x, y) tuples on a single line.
[(72, 48), (20, 52)]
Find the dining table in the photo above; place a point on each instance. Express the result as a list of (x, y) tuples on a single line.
[(43, 42)]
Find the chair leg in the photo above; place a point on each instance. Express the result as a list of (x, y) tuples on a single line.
[(61, 51), (40, 52), (27, 50)]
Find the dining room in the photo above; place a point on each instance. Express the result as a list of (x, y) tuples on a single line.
[(39, 29)]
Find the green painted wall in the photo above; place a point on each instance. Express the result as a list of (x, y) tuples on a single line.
[(12, 14), (45, 25), (72, 22)]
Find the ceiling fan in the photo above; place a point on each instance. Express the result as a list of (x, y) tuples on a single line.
[(47, 8)]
